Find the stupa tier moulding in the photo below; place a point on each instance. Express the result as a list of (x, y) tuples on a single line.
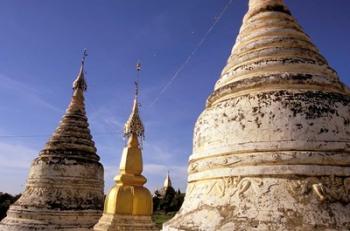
[(271, 148)]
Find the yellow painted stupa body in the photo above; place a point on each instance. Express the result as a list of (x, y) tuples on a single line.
[(136, 199), (129, 205)]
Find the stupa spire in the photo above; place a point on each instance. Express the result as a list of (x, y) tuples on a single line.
[(270, 150), (64, 190), (79, 87), (134, 125), (80, 83), (167, 181), (129, 205), (73, 131)]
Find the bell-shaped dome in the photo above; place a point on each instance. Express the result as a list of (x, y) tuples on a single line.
[(271, 148)]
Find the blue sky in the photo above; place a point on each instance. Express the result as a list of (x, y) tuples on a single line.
[(40, 50)]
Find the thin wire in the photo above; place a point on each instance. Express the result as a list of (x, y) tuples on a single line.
[(48, 135), (172, 79), (21, 136), (194, 51)]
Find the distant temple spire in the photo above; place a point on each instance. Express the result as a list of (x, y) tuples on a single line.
[(167, 181)]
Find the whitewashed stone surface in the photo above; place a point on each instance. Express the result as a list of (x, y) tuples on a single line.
[(271, 148)]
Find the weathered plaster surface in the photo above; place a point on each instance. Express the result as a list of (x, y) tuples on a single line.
[(271, 149), (266, 203)]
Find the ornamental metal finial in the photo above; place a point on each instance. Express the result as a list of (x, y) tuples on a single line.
[(136, 89), (134, 125), (138, 66), (138, 69), (80, 82), (85, 54)]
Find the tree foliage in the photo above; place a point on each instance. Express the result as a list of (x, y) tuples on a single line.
[(168, 200), (5, 201)]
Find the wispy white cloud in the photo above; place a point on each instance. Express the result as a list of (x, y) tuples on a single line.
[(159, 169), (16, 156), (158, 152), (159, 157), (25, 91), (103, 120), (162, 152), (15, 161)]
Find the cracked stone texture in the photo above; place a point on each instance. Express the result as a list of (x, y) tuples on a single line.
[(64, 189), (271, 148)]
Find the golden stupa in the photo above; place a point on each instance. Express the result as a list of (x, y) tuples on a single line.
[(271, 150), (129, 205)]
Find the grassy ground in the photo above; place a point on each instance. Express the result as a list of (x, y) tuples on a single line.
[(159, 218)]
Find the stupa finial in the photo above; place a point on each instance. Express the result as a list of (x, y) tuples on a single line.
[(134, 125), (138, 69), (80, 82)]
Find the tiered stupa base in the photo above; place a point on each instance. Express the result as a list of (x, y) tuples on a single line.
[(110, 222), (19, 219), (268, 203)]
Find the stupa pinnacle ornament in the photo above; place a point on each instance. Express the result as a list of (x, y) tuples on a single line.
[(134, 124), (128, 206), (80, 82), (64, 190), (271, 150)]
